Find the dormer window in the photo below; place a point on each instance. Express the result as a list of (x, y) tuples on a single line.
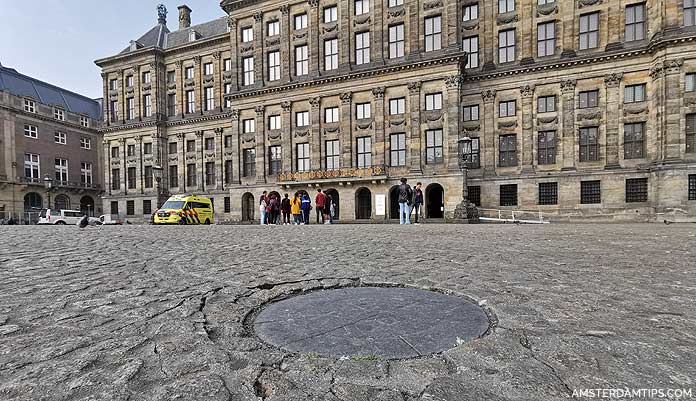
[(84, 121), (29, 106), (58, 114), (192, 36)]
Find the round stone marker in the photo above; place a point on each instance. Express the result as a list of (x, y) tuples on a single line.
[(370, 321)]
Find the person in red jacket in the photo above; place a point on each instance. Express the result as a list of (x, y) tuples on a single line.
[(320, 201)]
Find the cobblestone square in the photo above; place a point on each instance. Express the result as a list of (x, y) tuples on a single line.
[(162, 313)]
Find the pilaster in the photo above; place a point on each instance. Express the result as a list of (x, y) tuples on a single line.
[(259, 61), (613, 85), (219, 164), (673, 107), (314, 51), (287, 150), (453, 126), (346, 128), (527, 92), (315, 133), (568, 113), (260, 145), (488, 139), (379, 140), (236, 152)]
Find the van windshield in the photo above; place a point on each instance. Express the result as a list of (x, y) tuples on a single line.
[(173, 205)]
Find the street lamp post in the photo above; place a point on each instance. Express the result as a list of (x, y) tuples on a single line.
[(157, 173), (465, 211), (48, 183)]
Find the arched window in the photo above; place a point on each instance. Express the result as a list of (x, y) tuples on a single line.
[(32, 200), (62, 202)]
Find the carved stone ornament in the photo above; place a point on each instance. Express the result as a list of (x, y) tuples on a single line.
[(470, 25), (527, 90), (635, 110), (507, 18), (171, 86), (488, 95), (275, 134), (287, 106), (313, 3), (285, 9), (189, 83), (248, 137), (190, 157), (258, 16), (657, 70), (301, 133), (547, 120), (471, 125), (260, 110), (588, 3), (454, 82), (218, 132), (432, 116), (396, 12), (414, 87), (232, 23), (590, 115), (432, 5), (315, 102), (568, 86), (378, 92), (273, 41), (547, 9), (247, 48), (180, 136), (507, 124), (364, 125), (330, 28), (362, 20), (173, 158), (234, 114), (300, 35), (397, 123), (674, 66), (210, 155), (197, 60), (346, 97), (332, 130), (199, 134), (613, 80)]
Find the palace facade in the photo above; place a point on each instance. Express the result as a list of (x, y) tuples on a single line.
[(583, 108)]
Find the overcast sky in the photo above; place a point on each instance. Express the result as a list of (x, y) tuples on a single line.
[(57, 41)]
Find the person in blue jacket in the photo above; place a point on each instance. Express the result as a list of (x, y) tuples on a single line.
[(305, 206)]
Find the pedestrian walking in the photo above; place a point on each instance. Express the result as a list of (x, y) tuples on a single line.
[(417, 200), (285, 209), (405, 197), (320, 201), (328, 209), (263, 206), (295, 208), (306, 207)]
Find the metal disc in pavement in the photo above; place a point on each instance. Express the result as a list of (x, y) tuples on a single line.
[(370, 321)]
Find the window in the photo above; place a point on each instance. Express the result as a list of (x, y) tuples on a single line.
[(86, 173), (146, 77), (633, 140), (249, 162), (689, 12), (364, 152), (247, 35), (331, 115), (330, 54), (147, 106), (273, 28), (228, 171), (302, 119), (147, 207), (115, 179), (147, 148), (301, 60), (506, 6), (113, 84), (84, 121), (362, 7), (275, 159), (691, 133), (85, 143), (227, 64), (209, 173), (397, 106), (508, 195), (548, 193), (227, 204), (113, 108), (362, 48), (173, 148), (274, 122), (474, 194), (114, 207), (506, 46), (634, 93), (31, 166), (228, 141), (300, 21), (589, 31), (131, 178), (543, 2), (249, 126), (129, 81), (546, 39), (303, 157), (396, 41), (209, 99), (433, 147), (330, 14), (29, 106), (130, 208), (227, 100), (589, 99), (507, 152), (398, 149), (471, 12), (363, 111), (130, 150), (191, 146), (636, 190), (473, 158), (471, 113), (115, 152), (274, 66), (433, 33), (692, 187), (31, 131), (171, 104), (59, 114), (130, 108), (507, 108), (546, 104), (471, 46), (394, 3), (60, 138), (248, 71), (333, 155), (546, 150), (188, 72), (171, 77), (590, 192), (191, 174), (209, 143), (635, 22), (148, 177), (190, 102), (433, 101), (690, 81), (589, 147), (173, 176)]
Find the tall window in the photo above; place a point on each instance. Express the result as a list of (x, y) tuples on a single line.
[(363, 111), (273, 28), (274, 66), (330, 54), (397, 106), (209, 144), (130, 150), (209, 99), (303, 157), (689, 12), (362, 48), (209, 173), (433, 33), (227, 64), (113, 84), (147, 106), (131, 177), (588, 99), (130, 108), (302, 60), (362, 7), (330, 14), (507, 108), (331, 115), (300, 21), (228, 91), (471, 113), (31, 166), (173, 148), (86, 173), (249, 126), (249, 162), (191, 174), (634, 93), (691, 133), (190, 102), (248, 71), (471, 12), (590, 192), (634, 140), (147, 148), (148, 177), (396, 41), (147, 207), (546, 39), (129, 81), (171, 104), (191, 146), (589, 31), (546, 104), (690, 82), (247, 35), (302, 119), (507, 151), (506, 46), (274, 122), (508, 195), (333, 155), (171, 77), (208, 69), (398, 149), (433, 101), (471, 47), (275, 159), (546, 150), (433, 147), (115, 150), (364, 152), (115, 179), (506, 6), (228, 171), (188, 73), (589, 146), (548, 193), (635, 22), (636, 190), (113, 110)]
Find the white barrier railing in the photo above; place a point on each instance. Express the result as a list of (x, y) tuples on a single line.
[(513, 216)]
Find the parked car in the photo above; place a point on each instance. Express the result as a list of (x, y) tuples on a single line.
[(60, 216), (111, 220)]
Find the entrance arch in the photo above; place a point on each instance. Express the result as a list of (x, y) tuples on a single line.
[(336, 201), (62, 202), (394, 202), (363, 204), (248, 207), (32, 200), (435, 201), (87, 206)]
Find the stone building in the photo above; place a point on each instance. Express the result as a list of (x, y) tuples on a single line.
[(47, 131), (576, 108)]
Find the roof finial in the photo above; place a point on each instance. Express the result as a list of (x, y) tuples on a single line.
[(162, 14)]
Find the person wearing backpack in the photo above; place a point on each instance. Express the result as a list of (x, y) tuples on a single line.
[(306, 207), (405, 199)]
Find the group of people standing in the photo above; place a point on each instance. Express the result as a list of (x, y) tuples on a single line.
[(275, 211), (410, 200)]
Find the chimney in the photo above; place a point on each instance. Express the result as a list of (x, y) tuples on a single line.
[(184, 17)]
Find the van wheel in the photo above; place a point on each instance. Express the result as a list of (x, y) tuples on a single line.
[(207, 222), (60, 223)]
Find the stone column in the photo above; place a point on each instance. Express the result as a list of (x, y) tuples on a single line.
[(285, 56), (452, 126), (124, 165), (181, 147), (414, 141), (451, 23), (259, 62), (260, 145), (180, 87), (414, 32), (614, 25), (378, 146), (673, 105), (137, 93), (122, 96), (527, 92), (107, 99), (200, 168), (316, 153), (377, 34), (236, 152), (489, 16), (345, 34), (568, 121), (198, 79), (313, 42), (234, 55), (287, 150), (488, 140), (613, 84), (219, 164), (567, 17), (220, 87), (107, 166), (139, 169), (346, 128), (525, 32)]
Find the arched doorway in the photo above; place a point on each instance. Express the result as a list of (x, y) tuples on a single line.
[(363, 204), (435, 201), (276, 194), (32, 200), (62, 202), (335, 199), (87, 206), (394, 202), (248, 207)]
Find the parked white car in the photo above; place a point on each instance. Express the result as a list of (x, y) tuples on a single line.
[(60, 216)]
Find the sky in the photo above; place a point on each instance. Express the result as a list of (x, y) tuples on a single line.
[(57, 41)]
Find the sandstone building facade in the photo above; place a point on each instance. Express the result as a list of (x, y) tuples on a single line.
[(575, 108)]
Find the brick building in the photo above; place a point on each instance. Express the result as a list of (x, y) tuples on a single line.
[(576, 108)]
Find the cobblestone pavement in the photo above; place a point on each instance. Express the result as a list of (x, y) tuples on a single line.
[(161, 313)]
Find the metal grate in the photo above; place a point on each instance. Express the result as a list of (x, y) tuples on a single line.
[(130, 208), (692, 187), (147, 207), (590, 192), (636, 190), (475, 195), (228, 204), (548, 193), (508, 195)]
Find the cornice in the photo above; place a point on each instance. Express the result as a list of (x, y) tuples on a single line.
[(51, 120), (185, 121)]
